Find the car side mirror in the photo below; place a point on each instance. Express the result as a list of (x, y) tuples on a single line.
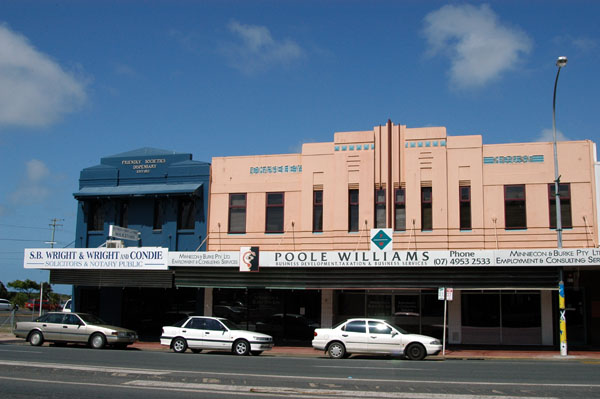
[(394, 333)]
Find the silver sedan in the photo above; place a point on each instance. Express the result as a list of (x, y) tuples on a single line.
[(74, 328)]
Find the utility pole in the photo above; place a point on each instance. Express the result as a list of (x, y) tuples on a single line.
[(54, 225)]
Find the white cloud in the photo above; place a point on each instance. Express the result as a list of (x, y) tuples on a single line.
[(257, 50), (34, 90), (480, 48), (34, 187), (548, 135)]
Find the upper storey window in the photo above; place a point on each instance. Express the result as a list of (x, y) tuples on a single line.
[(426, 209), (380, 215), (317, 211), (96, 214), (353, 210), (564, 189), (515, 214), (274, 213), (237, 213), (186, 213), (465, 207), (400, 209)]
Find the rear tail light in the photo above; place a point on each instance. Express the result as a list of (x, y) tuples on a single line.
[(315, 333)]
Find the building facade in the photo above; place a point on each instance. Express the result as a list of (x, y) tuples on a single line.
[(432, 192), (163, 197), (447, 212)]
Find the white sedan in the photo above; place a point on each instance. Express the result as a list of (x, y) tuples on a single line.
[(213, 333), (373, 336)]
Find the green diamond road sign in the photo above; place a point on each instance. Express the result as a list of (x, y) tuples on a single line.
[(381, 239)]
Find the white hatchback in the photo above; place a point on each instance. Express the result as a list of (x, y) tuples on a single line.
[(213, 333), (373, 336)]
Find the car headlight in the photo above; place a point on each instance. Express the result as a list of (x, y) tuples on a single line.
[(262, 339), (435, 342)]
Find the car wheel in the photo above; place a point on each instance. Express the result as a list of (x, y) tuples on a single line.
[(196, 350), (36, 338), (336, 350), (415, 352), (241, 347), (256, 353), (179, 345), (97, 341)]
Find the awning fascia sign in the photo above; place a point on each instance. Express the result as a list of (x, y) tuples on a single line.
[(132, 258)]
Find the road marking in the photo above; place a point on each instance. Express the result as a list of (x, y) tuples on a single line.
[(310, 392), (296, 377), (369, 368), (12, 350), (86, 368)]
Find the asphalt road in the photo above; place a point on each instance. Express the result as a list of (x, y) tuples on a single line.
[(50, 371)]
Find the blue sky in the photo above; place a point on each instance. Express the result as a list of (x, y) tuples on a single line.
[(80, 80)]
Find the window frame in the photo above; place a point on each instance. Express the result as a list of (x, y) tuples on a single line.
[(514, 201), (232, 207), (269, 213)]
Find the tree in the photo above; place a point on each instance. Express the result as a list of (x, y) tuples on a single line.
[(28, 286), (3, 291)]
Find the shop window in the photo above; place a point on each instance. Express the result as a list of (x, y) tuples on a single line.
[(426, 209), (480, 309), (317, 211), (380, 215), (96, 213), (400, 209), (521, 310), (564, 189), (274, 215), (186, 214), (465, 207), (237, 213), (515, 215), (353, 210), (159, 214)]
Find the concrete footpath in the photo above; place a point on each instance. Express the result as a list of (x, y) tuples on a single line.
[(452, 353)]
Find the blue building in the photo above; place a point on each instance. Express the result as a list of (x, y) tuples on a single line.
[(161, 194)]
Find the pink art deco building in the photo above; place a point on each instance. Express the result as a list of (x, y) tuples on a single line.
[(480, 219)]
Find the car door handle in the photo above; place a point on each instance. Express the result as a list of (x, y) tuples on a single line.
[(65, 326), (344, 335), (43, 325)]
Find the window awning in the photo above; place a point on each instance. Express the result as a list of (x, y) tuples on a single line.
[(134, 190)]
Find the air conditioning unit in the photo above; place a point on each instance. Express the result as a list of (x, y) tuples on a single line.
[(114, 244)]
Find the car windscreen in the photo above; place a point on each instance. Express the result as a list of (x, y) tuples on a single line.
[(91, 319), (400, 329), (230, 324)]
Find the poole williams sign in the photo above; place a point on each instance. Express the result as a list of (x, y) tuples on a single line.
[(146, 258), (452, 258)]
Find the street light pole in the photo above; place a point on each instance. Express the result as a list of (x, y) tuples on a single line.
[(560, 63)]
